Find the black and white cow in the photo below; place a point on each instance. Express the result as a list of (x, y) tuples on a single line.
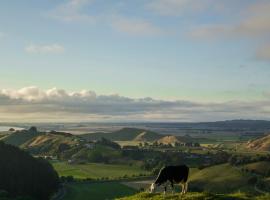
[(172, 174)]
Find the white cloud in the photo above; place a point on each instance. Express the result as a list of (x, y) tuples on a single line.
[(176, 7), (263, 53), (72, 11), (45, 49), (135, 26), (32, 103)]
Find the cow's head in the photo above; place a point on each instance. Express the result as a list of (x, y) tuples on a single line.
[(152, 187)]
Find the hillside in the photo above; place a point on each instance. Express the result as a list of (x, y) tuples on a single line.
[(171, 139), (261, 144), (23, 175), (216, 179), (195, 196), (49, 143), (125, 134), (20, 137)]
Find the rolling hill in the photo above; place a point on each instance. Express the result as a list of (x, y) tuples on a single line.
[(20, 137), (171, 139), (220, 178), (260, 144), (49, 143), (125, 134)]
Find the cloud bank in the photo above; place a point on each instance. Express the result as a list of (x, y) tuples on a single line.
[(45, 49), (34, 104)]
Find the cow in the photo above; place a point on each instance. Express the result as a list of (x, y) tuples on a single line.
[(172, 174)]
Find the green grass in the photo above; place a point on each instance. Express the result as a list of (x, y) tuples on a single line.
[(262, 167), (18, 139), (220, 178), (97, 191), (195, 196), (96, 170)]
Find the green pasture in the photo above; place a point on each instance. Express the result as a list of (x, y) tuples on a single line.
[(96, 170), (97, 191)]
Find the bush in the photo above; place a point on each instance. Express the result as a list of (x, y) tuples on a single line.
[(23, 175)]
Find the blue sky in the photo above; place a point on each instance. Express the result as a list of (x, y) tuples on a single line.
[(204, 51)]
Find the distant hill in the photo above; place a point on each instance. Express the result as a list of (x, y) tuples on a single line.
[(171, 139), (125, 134), (50, 143), (237, 125), (20, 137), (168, 140), (260, 144)]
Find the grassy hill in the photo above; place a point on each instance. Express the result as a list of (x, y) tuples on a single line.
[(20, 137), (260, 144), (195, 196), (49, 143), (125, 134), (221, 179), (261, 167), (96, 170)]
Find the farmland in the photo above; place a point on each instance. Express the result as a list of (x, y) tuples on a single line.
[(96, 170), (97, 191)]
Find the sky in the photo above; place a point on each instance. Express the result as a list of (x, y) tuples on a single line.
[(126, 60)]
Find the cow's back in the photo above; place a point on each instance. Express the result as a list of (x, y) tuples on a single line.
[(177, 173)]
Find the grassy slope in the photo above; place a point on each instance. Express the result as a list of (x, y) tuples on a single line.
[(221, 179), (125, 134), (97, 191), (18, 139), (47, 143), (262, 167), (95, 170), (194, 196)]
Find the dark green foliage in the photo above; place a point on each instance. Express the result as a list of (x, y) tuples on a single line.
[(23, 175), (109, 143)]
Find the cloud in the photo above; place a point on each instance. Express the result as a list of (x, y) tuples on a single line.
[(32, 103), (2, 35), (252, 21), (45, 49), (72, 11), (176, 7), (263, 53), (135, 26)]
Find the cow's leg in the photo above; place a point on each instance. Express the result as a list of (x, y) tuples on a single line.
[(172, 186), (183, 188), (165, 189), (186, 187)]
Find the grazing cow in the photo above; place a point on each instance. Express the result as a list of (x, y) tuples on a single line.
[(173, 174)]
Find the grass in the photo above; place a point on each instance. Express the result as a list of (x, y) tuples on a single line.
[(221, 179), (18, 139), (195, 196), (96, 170), (97, 191), (262, 167)]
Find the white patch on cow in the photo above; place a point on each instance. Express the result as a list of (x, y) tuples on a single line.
[(152, 187)]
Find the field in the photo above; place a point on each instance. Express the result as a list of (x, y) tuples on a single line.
[(96, 170), (195, 196), (220, 179), (97, 191)]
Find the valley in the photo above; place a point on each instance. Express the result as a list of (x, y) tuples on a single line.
[(125, 161)]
